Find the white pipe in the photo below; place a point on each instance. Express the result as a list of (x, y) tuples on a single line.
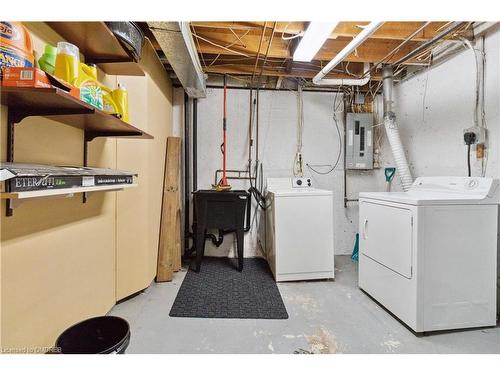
[(347, 81), (346, 51), (392, 130)]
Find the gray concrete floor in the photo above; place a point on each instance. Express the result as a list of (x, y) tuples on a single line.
[(325, 317)]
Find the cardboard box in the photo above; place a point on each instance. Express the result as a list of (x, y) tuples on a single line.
[(37, 78), (25, 77)]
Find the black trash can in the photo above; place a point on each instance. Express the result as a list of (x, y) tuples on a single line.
[(99, 335)]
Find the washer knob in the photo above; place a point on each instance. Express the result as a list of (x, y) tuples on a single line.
[(471, 184)]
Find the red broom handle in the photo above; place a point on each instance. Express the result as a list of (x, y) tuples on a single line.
[(224, 121)]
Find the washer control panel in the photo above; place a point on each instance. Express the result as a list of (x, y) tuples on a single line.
[(301, 182)]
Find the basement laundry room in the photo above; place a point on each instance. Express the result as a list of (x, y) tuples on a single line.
[(219, 184)]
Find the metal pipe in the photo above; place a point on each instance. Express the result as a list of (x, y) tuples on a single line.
[(454, 26), (257, 129), (347, 50), (238, 177), (195, 144), (344, 99), (250, 128), (186, 173), (224, 137), (392, 130), (387, 88), (347, 81), (305, 88), (402, 44)]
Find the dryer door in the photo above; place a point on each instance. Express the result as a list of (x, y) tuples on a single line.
[(386, 236)]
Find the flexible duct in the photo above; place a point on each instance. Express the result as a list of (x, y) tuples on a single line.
[(392, 130)]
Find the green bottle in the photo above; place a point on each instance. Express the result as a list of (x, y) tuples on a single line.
[(47, 62)]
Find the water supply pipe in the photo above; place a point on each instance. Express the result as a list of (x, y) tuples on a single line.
[(392, 130), (195, 144), (347, 81), (187, 183), (319, 79)]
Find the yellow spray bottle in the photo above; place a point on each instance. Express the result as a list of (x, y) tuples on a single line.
[(120, 97)]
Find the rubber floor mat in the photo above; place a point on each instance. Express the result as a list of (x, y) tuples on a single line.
[(220, 291)]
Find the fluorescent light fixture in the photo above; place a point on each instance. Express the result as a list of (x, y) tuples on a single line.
[(314, 37)]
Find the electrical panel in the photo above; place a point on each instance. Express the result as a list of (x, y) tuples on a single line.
[(359, 141)]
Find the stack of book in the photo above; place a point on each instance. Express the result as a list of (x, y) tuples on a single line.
[(17, 177)]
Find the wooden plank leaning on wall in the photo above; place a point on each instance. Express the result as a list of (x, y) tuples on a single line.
[(169, 247)]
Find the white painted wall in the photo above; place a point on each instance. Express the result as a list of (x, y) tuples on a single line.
[(278, 137), (433, 108)]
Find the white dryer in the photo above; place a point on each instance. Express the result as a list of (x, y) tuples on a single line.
[(299, 230), (429, 255)]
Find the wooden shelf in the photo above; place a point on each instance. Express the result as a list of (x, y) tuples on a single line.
[(58, 105), (99, 45), (70, 191)]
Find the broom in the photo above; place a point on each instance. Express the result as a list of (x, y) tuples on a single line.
[(223, 185)]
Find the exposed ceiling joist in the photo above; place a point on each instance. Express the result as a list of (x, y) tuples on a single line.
[(244, 48), (390, 30), (370, 51)]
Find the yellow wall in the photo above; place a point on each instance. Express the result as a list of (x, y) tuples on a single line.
[(63, 261), (139, 209)]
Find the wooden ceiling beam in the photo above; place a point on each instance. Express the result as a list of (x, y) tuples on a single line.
[(389, 30), (355, 68), (370, 51), (232, 47)]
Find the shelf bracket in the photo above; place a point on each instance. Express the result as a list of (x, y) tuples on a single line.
[(13, 117), (16, 115), (86, 139), (59, 105), (91, 135)]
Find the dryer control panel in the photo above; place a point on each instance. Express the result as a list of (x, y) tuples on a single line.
[(479, 187)]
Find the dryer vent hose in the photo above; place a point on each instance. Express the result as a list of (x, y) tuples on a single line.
[(392, 131)]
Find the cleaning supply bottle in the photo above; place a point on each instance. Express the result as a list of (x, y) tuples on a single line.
[(90, 89), (15, 45), (67, 62), (120, 97), (47, 62), (109, 105), (86, 72)]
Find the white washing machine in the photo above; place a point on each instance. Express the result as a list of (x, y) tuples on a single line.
[(429, 255), (299, 230)]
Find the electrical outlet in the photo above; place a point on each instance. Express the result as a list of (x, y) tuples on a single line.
[(480, 133)]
